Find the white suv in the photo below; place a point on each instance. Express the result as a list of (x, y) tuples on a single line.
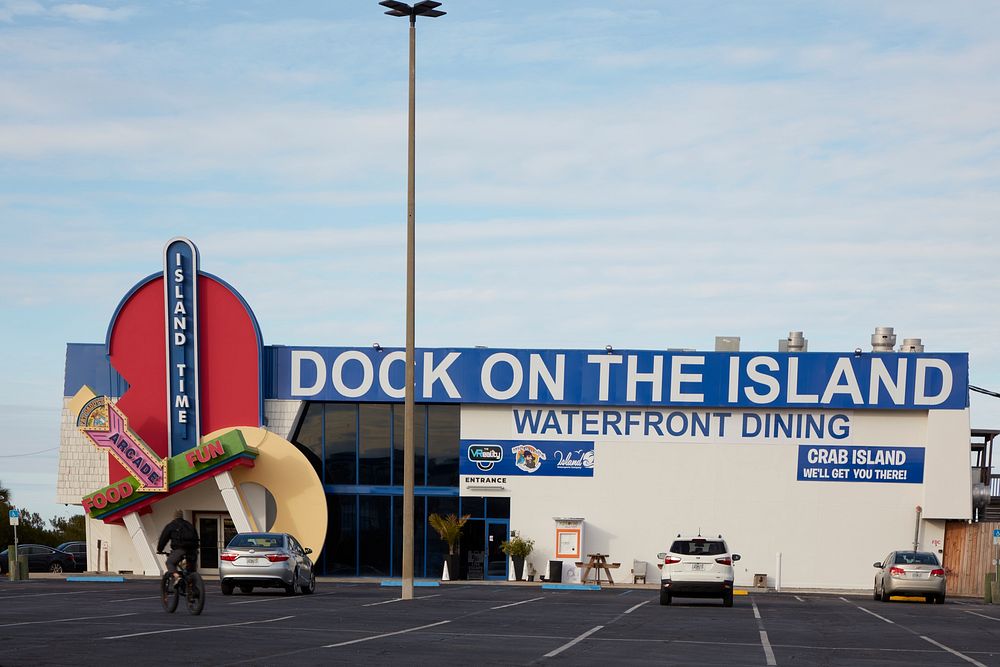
[(698, 567)]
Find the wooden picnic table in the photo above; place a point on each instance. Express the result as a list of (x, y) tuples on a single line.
[(597, 563)]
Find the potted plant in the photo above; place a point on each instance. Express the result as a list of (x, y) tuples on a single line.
[(518, 549), (449, 528)]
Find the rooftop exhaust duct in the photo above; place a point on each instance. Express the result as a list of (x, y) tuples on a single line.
[(794, 343), (883, 340), (911, 345)]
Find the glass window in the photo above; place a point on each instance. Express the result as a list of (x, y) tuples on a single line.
[(375, 421), (341, 431), (309, 436), (437, 548), (474, 507), (374, 529), (442, 445), (498, 508), (419, 428), (339, 552), (419, 530), (698, 547)]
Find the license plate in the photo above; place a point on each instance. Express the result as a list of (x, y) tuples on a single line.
[(252, 561), (697, 566)]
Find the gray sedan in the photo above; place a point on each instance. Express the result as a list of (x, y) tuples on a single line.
[(266, 560), (914, 573)]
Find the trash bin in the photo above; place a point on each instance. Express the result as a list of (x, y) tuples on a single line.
[(555, 571)]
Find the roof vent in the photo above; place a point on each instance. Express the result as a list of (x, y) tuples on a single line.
[(794, 343), (911, 345), (883, 340), (727, 343)]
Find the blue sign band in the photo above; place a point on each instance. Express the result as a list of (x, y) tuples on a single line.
[(884, 381), (832, 463), (544, 458)]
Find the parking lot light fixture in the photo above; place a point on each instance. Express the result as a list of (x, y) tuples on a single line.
[(427, 8)]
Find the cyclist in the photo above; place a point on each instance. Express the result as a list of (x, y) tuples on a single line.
[(183, 543)]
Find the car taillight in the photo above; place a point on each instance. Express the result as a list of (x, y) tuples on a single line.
[(72, 558), (896, 572), (277, 558), (229, 556), (937, 573), (670, 560), (724, 561)]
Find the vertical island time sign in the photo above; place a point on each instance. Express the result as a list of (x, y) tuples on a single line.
[(180, 281)]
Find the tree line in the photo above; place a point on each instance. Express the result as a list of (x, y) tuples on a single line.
[(32, 529)]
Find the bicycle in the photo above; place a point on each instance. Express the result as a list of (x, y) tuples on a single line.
[(190, 585)]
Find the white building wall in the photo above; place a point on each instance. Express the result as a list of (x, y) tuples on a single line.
[(645, 491), (82, 467), (281, 416)]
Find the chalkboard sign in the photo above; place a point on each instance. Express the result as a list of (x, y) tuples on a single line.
[(477, 561)]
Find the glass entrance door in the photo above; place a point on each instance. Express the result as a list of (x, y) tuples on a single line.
[(497, 531), (214, 532)]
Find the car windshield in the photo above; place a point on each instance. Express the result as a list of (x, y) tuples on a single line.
[(698, 547), (915, 558), (263, 541)]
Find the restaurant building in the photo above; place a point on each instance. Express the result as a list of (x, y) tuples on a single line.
[(787, 454)]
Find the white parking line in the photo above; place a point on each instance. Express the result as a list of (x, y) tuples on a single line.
[(514, 604), (276, 597), (148, 597), (631, 590), (953, 652), (630, 610), (799, 599), (64, 620), (881, 618), (422, 597), (974, 613), (42, 595), (387, 634), (573, 642), (200, 627), (764, 641)]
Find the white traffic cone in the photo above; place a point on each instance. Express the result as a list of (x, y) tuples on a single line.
[(444, 573)]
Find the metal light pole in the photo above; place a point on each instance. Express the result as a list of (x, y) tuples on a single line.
[(426, 8)]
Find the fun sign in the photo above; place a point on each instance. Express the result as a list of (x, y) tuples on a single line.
[(106, 427)]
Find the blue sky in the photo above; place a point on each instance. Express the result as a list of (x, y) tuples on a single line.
[(641, 173)]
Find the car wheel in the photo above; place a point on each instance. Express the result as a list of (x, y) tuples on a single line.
[(727, 599), (885, 596), (929, 599), (290, 588), (56, 567), (875, 594), (664, 596), (246, 588), (310, 586), (227, 588), (939, 599)]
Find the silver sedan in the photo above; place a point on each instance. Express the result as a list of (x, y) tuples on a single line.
[(266, 560), (913, 573)]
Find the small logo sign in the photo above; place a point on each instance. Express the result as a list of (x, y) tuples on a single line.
[(528, 457), (485, 456), (574, 459)]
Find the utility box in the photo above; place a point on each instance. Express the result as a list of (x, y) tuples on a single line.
[(760, 581)]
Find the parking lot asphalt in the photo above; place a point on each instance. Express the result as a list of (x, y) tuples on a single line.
[(54, 622)]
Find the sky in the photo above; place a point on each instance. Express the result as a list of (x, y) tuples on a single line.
[(645, 174)]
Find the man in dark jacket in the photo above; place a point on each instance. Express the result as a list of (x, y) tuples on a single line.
[(183, 543)]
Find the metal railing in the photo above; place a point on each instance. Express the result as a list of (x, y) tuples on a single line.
[(994, 486)]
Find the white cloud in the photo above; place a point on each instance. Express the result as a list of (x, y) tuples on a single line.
[(78, 11)]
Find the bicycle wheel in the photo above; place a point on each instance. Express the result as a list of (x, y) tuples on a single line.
[(195, 593), (167, 596)]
